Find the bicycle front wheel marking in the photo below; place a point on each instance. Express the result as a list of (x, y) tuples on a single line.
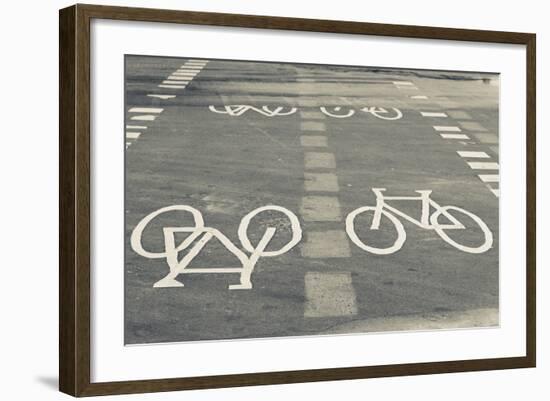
[(488, 235), (350, 229)]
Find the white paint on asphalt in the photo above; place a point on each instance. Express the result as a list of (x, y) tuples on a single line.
[(320, 208), (312, 126), (432, 114), (483, 165), (152, 110), (454, 136), (446, 128), (337, 112), (163, 97), (185, 72), (168, 82), (172, 86), (314, 141), (132, 135), (472, 126), (191, 67), (469, 154), (329, 294), (419, 97), (495, 192), (489, 177), (326, 244), (147, 117), (136, 127), (403, 83), (179, 78), (321, 182), (313, 160)]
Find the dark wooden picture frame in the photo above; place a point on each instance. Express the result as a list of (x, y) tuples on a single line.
[(74, 202)]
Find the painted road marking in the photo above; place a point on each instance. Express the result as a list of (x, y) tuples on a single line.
[(481, 155), (444, 128), (132, 135), (496, 192), (320, 208), (319, 160), (179, 78), (136, 127), (486, 138), (494, 149), (432, 114), (454, 136), (472, 126), (174, 82), (128, 144), (483, 165), (144, 118), (326, 244), (321, 182), (191, 67), (403, 83), (489, 177), (329, 294), (164, 97), (183, 72), (312, 115), (459, 115), (419, 97), (172, 86), (153, 110), (312, 126), (313, 141)]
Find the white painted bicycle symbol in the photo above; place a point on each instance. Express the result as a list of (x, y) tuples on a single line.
[(180, 266), (427, 221)]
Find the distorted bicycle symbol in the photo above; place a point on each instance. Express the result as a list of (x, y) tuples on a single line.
[(180, 266), (381, 112), (236, 110), (427, 221)]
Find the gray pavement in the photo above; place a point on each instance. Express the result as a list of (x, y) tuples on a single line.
[(204, 139)]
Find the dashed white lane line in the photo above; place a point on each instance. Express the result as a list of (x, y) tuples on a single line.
[(433, 114), (147, 117), (312, 126), (314, 141), (132, 135), (489, 177), (472, 126), (320, 208), (495, 192), (314, 160), (419, 97), (483, 165), (446, 128), (163, 97), (179, 78), (172, 86), (168, 82), (326, 244), (187, 73), (312, 115), (153, 110), (136, 127), (321, 182), (329, 294), (469, 154), (454, 136)]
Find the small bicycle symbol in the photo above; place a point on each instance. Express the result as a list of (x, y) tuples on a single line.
[(427, 221)]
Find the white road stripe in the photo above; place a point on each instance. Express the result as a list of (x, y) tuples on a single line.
[(313, 141), (172, 86), (164, 97), (326, 244), (191, 67), (314, 160), (480, 155), (432, 114), (483, 165), (472, 126), (146, 117), (312, 126), (180, 78), (419, 97), (489, 177), (496, 192), (174, 82), (321, 182), (454, 136), (320, 208), (180, 72), (136, 127), (445, 128), (153, 110), (132, 135), (329, 294), (403, 83)]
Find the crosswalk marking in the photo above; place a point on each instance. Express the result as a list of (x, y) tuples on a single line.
[(489, 177), (315, 160), (321, 182), (313, 141), (320, 208), (469, 154), (191, 67), (148, 117), (483, 165), (183, 79), (163, 97), (454, 136), (326, 244), (329, 294), (446, 128), (459, 115), (312, 126), (472, 126), (419, 97), (168, 82), (496, 192), (402, 83), (432, 114), (172, 86), (153, 110), (132, 135), (136, 127)]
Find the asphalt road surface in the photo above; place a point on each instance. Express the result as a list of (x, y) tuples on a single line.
[(227, 137)]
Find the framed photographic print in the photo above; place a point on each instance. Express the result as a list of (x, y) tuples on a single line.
[(251, 200)]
